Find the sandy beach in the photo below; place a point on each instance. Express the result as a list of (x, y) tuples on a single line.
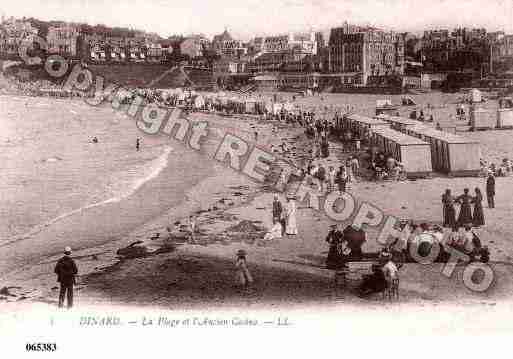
[(287, 272)]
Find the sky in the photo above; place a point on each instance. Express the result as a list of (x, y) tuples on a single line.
[(247, 18)]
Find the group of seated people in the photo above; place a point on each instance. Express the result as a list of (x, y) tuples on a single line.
[(423, 237), (385, 167), (346, 246), (382, 276)]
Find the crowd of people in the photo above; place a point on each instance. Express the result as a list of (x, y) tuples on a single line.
[(379, 165), (283, 218), (504, 169), (386, 167), (467, 214)]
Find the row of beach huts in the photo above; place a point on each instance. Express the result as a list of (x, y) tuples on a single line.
[(419, 148)]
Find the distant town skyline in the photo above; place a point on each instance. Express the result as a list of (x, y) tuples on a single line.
[(249, 18)]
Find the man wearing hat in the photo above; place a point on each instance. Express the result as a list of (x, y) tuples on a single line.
[(66, 270), (490, 190), (278, 215), (335, 239)]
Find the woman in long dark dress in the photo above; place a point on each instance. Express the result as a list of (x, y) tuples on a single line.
[(465, 216), (325, 147), (449, 215), (334, 239), (478, 216)]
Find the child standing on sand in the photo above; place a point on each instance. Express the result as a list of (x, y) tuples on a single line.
[(243, 276)]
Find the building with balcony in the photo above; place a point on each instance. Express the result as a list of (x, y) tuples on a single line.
[(277, 61), (501, 52), (155, 53), (226, 46), (13, 32), (63, 40), (371, 52), (302, 42), (461, 49)]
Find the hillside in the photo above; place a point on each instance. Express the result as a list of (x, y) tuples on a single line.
[(154, 75), (129, 75)]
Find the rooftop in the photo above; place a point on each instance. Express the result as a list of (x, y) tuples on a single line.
[(441, 135), (225, 36), (366, 120), (398, 137), (401, 120)]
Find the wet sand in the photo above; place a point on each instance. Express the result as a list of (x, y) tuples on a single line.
[(162, 281)]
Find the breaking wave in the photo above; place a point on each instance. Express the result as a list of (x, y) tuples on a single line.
[(122, 185)]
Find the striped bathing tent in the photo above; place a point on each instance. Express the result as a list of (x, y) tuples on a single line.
[(361, 124), (450, 153)]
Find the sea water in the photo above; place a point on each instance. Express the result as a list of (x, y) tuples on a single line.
[(59, 188)]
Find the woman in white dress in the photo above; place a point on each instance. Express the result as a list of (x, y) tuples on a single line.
[(332, 174), (274, 232), (291, 227)]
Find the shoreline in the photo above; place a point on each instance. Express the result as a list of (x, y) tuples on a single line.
[(422, 279), (189, 204), (302, 254)]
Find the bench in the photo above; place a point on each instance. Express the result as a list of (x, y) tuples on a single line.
[(353, 270)]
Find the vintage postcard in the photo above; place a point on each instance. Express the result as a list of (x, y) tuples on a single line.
[(249, 176)]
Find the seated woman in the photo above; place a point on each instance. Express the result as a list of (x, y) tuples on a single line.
[(275, 232), (378, 173), (396, 172)]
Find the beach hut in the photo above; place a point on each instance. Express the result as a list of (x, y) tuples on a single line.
[(505, 118), (385, 107), (411, 152), (481, 118), (450, 153), (505, 113)]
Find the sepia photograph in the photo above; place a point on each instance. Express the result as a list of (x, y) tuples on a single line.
[(184, 177)]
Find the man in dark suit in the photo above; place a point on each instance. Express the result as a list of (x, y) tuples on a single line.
[(278, 213), (490, 190), (66, 270)]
